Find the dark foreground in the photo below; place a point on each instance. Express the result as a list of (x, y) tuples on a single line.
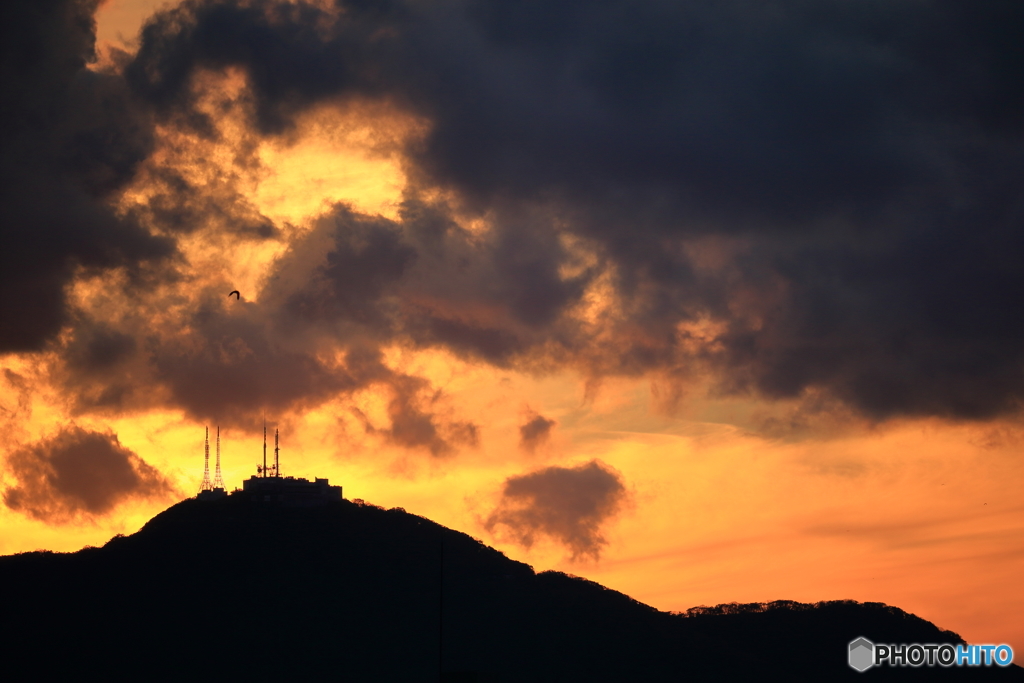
[(239, 591)]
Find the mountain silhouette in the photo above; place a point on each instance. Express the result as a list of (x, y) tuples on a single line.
[(235, 590)]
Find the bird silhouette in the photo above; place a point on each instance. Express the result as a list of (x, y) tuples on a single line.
[(237, 295)]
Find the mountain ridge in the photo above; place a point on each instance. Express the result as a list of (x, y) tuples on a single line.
[(234, 589)]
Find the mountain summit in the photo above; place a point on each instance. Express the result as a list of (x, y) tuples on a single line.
[(237, 590)]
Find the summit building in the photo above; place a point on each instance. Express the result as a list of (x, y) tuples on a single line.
[(267, 485)]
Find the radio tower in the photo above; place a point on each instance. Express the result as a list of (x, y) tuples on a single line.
[(206, 485), (277, 449), (218, 481)]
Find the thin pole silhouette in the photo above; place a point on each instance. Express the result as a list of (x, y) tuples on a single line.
[(440, 620)]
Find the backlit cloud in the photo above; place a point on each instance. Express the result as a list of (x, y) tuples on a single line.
[(758, 197), (828, 186), (535, 431), (566, 504), (76, 473), (71, 138)]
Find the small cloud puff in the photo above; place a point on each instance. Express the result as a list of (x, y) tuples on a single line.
[(536, 431), (566, 504)]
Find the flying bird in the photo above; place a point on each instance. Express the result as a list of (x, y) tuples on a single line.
[(237, 295)]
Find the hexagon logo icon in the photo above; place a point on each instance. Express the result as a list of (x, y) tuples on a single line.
[(862, 654)]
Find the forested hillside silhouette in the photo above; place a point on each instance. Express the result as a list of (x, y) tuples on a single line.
[(244, 591)]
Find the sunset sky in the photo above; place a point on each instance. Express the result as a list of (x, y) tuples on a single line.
[(704, 301)]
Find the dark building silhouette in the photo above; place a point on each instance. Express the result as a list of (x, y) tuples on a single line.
[(290, 490), (268, 486)]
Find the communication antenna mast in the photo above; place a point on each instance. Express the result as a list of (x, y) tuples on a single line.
[(206, 485), (264, 445), (218, 481), (277, 449)]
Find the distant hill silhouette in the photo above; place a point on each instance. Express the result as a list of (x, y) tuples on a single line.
[(240, 591)]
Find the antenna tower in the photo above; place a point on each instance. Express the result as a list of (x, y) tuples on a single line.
[(218, 481), (206, 485), (264, 470), (277, 449)]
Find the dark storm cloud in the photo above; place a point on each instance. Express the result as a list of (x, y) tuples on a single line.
[(315, 335), (21, 408), (233, 365), (496, 296), (566, 504), (414, 423), (367, 257), (69, 137), (78, 472), (425, 279), (215, 359), (178, 206), (100, 366), (536, 431), (861, 163)]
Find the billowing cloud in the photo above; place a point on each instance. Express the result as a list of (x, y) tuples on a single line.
[(315, 336), (76, 473), (415, 421), (830, 193), (22, 405), (816, 204), (71, 137), (567, 504), (535, 431)]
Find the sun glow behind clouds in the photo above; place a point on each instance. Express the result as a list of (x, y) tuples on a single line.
[(337, 153)]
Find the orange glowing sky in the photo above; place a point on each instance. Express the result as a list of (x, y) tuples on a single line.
[(925, 514)]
